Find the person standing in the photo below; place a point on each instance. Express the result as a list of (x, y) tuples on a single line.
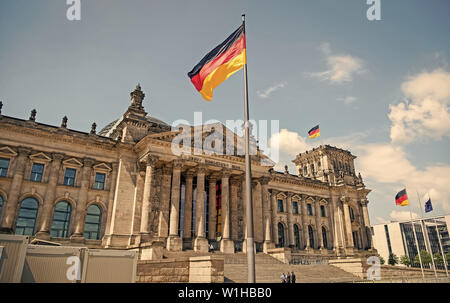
[(288, 278), (283, 278), (293, 278)]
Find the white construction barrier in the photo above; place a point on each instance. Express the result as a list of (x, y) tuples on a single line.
[(12, 257)]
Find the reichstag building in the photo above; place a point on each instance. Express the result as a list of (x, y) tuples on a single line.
[(123, 188)]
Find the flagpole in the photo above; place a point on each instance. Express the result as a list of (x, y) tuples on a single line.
[(425, 234), (417, 242), (440, 243), (248, 177)]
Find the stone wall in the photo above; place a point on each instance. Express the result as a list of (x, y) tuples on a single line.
[(206, 269)]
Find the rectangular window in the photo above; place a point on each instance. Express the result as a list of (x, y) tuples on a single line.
[(99, 181), (295, 207), (36, 172), (4, 164), (322, 210), (69, 176), (309, 208), (280, 206)]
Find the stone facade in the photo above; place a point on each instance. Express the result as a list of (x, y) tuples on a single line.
[(144, 193)]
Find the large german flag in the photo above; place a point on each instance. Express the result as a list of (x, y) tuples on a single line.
[(219, 64), (401, 198)]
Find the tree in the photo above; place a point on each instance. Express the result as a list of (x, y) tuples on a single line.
[(447, 257), (381, 259), (405, 260), (438, 260), (426, 258), (393, 259)]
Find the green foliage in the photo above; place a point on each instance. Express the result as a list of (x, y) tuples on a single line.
[(393, 259), (426, 258), (447, 257), (381, 259), (405, 260), (438, 260)]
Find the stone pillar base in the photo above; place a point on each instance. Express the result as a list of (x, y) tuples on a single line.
[(201, 244), (227, 246), (244, 246), (43, 235), (77, 238), (175, 243), (268, 245)]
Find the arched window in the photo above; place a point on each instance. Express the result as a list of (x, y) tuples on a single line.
[(312, 169), (297, 236), (305, 170), (93, 222), (311, 236), (61, 220), (26, 220), (281, 241), (324, 237), (1, 205)]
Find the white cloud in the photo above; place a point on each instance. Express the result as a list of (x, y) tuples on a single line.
[(402, 215), (388, 164), (380, 220), (427, 113), (270, 90), (341, 67)]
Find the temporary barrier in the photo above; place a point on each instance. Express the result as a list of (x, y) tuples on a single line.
[(12, 257), (109, 266), (53, 264)]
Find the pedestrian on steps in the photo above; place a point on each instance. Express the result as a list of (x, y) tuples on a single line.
[(283, 278), (288, 278), (293, 278)]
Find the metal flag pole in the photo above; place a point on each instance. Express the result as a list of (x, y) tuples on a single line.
[(417, 242), (440, 243), (248, 177), (425, 234)]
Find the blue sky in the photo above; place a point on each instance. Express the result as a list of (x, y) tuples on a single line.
[(309, 62)]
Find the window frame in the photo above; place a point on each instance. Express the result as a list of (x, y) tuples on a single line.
[(95, 180), (100, 217), (34, 219), (42, 173), (74, 178), (280, 202), (323, 211), (66, 221), (295, 209), (3, 168), (309, 209)]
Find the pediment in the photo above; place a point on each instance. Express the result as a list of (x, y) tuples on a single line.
[(102, 166), (72, 162), (40, 157), (7, 151), (296, 197)]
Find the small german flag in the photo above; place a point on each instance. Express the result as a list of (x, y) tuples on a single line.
[(314, 132), (219, 64), (401, 198)]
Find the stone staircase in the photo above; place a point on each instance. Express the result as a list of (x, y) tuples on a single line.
[(269, 269)]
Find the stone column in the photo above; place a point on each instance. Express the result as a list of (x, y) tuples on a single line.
[(366, 219), (150, 162), (304, 222), (200, 242), (234, 208), (348, 224), (330, 234), (187, 233), (318, 224), (80, 214), (49, 198), (226, 245), (112, 192), (267, 214), (291, 241), (273, 198), (338, 225), (212, 210), (163, 222), (174, 242), (10, 208)]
